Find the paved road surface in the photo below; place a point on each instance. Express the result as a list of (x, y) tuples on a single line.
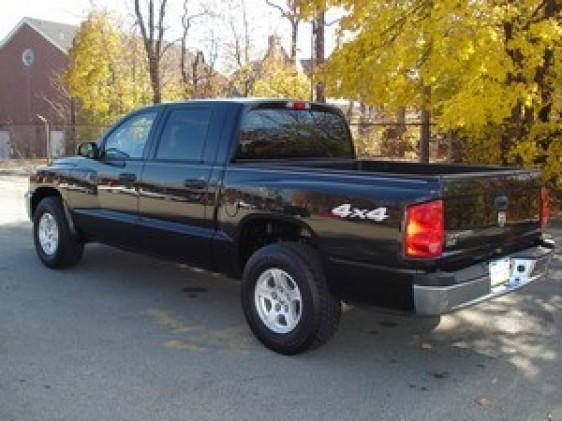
[(123, 337)]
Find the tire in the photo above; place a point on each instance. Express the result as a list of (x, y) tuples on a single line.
[(57, 249), (318, 315)]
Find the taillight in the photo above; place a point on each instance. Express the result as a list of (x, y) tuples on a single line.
[(424, 230), (544, 207)]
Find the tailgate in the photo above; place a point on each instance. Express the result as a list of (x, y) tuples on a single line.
[(489, 214)]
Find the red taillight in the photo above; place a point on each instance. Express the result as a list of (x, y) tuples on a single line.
[(424, 230), (544, 207)]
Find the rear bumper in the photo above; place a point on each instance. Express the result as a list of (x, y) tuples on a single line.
[(527, 266)]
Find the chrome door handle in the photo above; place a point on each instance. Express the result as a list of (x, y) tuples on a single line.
[(195, 184), (127, 177)]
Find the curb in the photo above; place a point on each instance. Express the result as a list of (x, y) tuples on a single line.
[(19, 173)]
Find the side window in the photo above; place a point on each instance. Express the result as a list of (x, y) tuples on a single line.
[(184, 134), (129, 139)]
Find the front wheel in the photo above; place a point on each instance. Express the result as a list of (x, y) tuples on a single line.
[(286, 299), (53, 240)]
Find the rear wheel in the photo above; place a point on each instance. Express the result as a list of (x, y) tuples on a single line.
[(286, 299), (53, 240)]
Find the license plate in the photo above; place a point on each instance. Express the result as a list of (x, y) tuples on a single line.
[(500, 271)]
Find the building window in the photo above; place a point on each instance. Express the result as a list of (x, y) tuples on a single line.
[(28, 57)]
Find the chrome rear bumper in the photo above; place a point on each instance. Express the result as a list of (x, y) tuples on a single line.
[(527, 266)]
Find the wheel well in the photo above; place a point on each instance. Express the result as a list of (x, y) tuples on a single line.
[(41, 193), (263, 231)]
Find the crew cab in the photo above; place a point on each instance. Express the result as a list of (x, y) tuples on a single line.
[(272, 192)]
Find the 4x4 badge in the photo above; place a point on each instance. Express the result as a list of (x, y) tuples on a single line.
[(502, 219), (347, 211)]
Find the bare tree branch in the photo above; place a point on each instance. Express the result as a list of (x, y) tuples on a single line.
[(152, 45), (276, 6), (161, 28), (186, 21), (246, 31), (293, 14)]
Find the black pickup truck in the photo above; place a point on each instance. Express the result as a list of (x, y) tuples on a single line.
[(271, 191)]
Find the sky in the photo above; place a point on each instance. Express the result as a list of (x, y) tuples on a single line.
[(263, 19)]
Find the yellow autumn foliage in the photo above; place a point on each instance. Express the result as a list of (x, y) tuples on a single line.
[(283, 82), (107, 71), (493, 71)]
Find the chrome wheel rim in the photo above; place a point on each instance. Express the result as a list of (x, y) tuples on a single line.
[(48, 233), (278, 300)]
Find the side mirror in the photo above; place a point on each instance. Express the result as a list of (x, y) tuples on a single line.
[(88, 150)]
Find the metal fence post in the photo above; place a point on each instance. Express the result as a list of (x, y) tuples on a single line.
[(47, 136)]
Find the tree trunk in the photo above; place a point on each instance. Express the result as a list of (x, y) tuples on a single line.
[(246, 32), (454, 151), (401, 121), (154, 69), (197, 70), (319, 24), (425, 134), (425, 128), (546, 90), (364, 127), (183, 68), (513, 127), (152, 43), (294, 37)]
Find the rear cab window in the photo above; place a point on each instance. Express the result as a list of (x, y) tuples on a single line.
[(277, 132)]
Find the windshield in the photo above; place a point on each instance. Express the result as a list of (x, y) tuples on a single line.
[(270, 133)]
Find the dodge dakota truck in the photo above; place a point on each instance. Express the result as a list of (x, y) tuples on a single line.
[(272, 192)]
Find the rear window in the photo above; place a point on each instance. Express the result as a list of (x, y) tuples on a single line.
[(283, 133)]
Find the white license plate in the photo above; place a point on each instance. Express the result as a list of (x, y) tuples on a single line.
[(500, 271)]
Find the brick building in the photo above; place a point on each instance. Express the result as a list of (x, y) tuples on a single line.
[(32, 56)]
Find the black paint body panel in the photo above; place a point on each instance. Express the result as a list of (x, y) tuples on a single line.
[(194, 211)]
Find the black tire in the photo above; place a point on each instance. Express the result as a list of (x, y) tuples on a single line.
[(320, 311), (69, 250)]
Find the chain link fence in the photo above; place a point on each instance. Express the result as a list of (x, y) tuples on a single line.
[(372, 140), (33, 141), (399, 141)]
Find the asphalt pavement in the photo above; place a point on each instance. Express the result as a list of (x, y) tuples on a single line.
[(127, 337)]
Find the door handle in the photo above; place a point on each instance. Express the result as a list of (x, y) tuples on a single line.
[(127, 177), (195, 184)]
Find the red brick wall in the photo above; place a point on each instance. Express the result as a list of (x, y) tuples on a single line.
[(23, 89)]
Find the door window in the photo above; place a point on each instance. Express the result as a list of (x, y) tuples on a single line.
[(184, 135), (129, 139)]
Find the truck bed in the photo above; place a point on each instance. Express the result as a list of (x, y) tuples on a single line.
[(476, 199)]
